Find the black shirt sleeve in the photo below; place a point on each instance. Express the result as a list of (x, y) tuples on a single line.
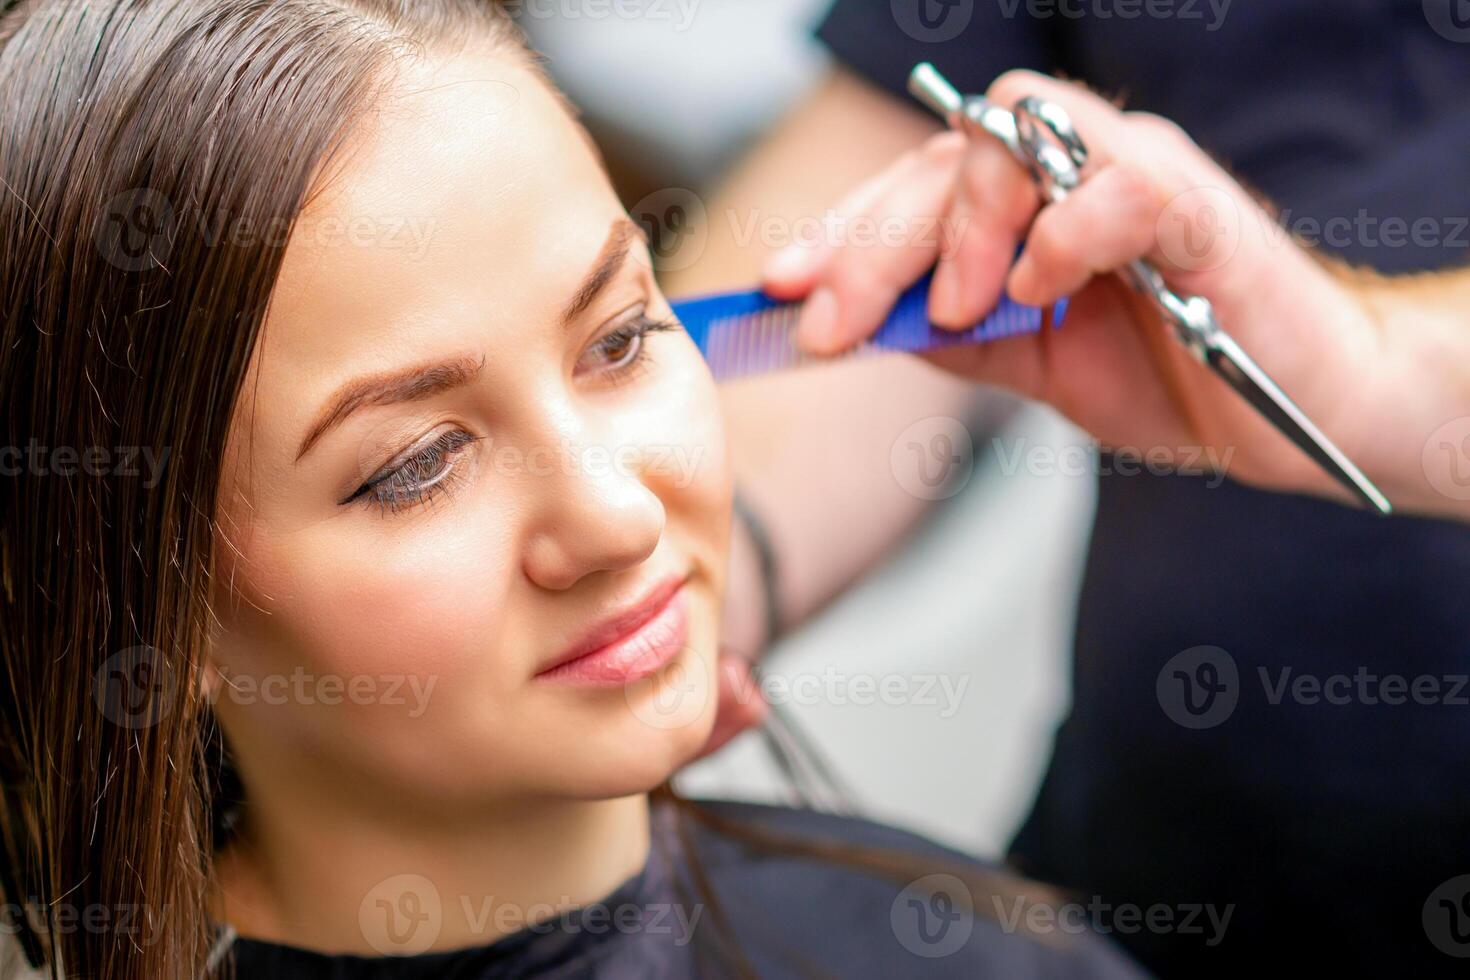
[(970, 41)]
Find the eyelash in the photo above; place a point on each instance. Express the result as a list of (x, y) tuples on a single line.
[(419, 475), (427, 471), (633, 332)]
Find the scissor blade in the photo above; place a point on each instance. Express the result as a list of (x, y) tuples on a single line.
[(1241, 372)]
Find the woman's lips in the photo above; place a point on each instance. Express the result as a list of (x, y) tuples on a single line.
[(631, 645)]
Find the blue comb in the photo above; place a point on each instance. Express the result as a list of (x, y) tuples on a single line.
[(745, 333)]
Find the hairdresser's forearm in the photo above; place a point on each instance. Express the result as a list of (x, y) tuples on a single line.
[(1420, 393), (812, 450), (813, 459)]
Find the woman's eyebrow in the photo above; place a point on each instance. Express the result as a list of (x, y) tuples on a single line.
[(417, 383), (410, 384), (609, 260)]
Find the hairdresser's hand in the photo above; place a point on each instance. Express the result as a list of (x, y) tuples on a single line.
[(743, 640), (1150, 192), (742, 706)]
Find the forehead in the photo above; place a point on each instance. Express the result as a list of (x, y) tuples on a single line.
[(467, 195)]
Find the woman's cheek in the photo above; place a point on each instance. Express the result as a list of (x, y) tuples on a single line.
[(678, 425), (417, 592)]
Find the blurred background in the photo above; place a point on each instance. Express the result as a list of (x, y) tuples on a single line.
[(978, 601)]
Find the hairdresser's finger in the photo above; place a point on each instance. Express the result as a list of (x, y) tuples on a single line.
[(994, 202), (883, 250), (1105, 224), (997, 199), (1167, 202), (1148, 191), (1212, 237), (1100, 123), (792, 272), (741, 705)]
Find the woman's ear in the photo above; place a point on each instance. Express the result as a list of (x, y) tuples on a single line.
[(226, 595), (213, 670), (211, 677)]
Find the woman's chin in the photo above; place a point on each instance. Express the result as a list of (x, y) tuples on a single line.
[(645, 743)]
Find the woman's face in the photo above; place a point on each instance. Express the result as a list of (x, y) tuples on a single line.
[(468, 449)]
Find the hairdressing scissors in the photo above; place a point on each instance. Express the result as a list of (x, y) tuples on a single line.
[(1040, 135)]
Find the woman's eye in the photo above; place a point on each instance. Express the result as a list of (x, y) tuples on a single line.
[(622, 347), (417, 474), (619, 348)]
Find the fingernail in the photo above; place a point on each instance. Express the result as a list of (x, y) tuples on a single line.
[(792, 262), (818, 323), (944, 294), (1021, 284)]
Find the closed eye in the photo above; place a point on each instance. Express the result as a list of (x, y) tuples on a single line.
[(417, 474)]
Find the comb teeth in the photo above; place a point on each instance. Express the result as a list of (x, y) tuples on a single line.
[(745, 333), (754, 343)]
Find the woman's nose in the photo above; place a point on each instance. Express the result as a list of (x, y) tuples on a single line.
[(593, 514)]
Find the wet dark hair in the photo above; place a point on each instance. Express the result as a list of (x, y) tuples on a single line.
[(131, 132)]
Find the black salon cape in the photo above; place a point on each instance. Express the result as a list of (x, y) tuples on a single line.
[(790, 916), (1328, 826)]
